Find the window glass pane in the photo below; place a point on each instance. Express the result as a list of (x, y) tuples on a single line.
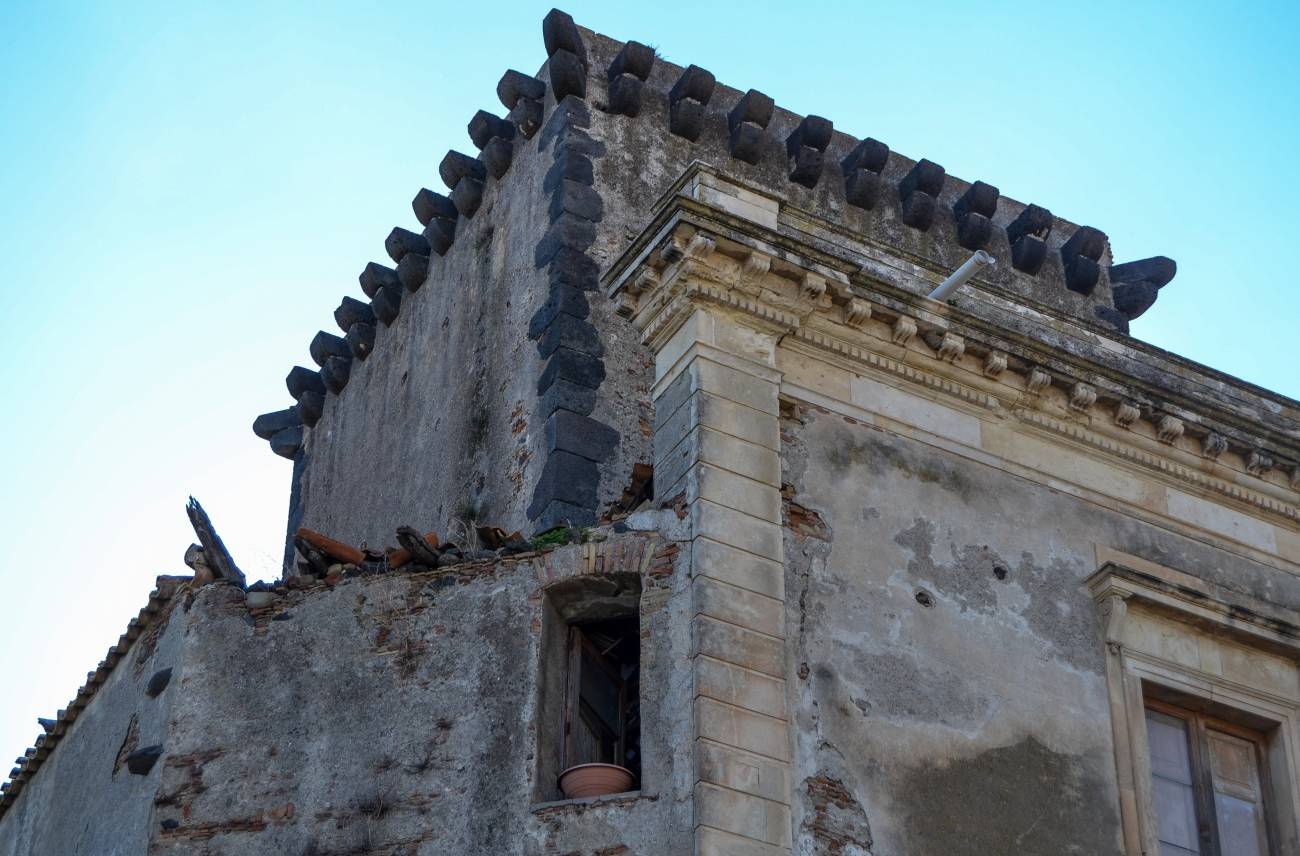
[(1238, 805), (1171, 784)]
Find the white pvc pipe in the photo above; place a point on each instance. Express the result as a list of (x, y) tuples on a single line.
[(958, 278)]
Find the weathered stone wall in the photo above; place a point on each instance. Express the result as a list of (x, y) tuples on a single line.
[(396, 714), (950, 688), (83, 799)]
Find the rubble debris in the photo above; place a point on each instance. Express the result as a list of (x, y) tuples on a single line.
[(215, 555)]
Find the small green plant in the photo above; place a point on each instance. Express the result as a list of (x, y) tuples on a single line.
[(556, 537)]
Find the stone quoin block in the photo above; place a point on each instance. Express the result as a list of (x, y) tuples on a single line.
[(563, 299), (577, 199), (573, 366), (527, 117), (566, 331), (566, 232), (569, 165), (563, 394), (581, 435), (376, 276), (566, 477)]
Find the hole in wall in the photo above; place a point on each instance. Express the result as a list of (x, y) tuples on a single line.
[(1000, 572), (924, 598)]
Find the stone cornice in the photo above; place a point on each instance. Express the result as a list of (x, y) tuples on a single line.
[(1199, 428)]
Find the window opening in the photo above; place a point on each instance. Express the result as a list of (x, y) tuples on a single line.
[(1208, 781), (603, 709)]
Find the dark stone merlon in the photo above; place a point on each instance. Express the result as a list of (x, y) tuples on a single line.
[(288, 442), (300, 380), (374, 277), (402, 241), (325, 345), (974, 214), (428, 205), (412, 270), (569, 479), (522, 95), (559, 33), (805, 148), (386, 305), (568, 75), (485, 127), (465, 176), (919, 191), (497, 156), (747, 123), (266, 425), (335, 373), (352, 311), (515, 86), (688, 101), (1081, 255), (862, 168), (1028, 235), (468, 196), (310, 406), (456, 166), (361, 340), (1135, 285), (627, 75), (440, 234)]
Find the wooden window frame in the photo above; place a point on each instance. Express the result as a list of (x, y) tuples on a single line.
[(577, 640), (1198, 621), (1199, 724)]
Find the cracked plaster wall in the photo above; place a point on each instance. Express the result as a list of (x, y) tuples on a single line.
[(979, 722)]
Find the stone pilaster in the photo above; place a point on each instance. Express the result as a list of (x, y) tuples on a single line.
[(717, 442)]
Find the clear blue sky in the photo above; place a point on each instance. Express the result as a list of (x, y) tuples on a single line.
[(186, 192)]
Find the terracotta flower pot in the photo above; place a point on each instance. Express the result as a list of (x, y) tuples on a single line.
[(594, 780)]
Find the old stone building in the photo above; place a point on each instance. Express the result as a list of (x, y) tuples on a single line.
[(829, 566)]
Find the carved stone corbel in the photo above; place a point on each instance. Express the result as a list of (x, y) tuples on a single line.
[(995, 363), (1037, 380), (857, 312), (1082, 396), (1126, 413), (904, 330), (1169, 428), (1114, 610)]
